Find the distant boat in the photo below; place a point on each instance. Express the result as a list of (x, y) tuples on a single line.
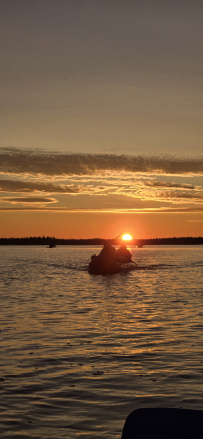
[(52, 245), (139, 245)]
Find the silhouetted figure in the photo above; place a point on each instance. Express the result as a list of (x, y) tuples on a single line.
[(123, 255), (108, 252), (105, 262), (110, 261)]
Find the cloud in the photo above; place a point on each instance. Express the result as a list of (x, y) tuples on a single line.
[(109, 210), (36, 162), (29, 186), (168, 184), (133, 188), (98, 181), (182, 195), (195, 221), (27, 200)]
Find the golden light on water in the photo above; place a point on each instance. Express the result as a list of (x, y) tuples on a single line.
[(126, 237)]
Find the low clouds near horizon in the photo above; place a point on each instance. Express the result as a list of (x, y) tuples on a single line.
[(158, 180)]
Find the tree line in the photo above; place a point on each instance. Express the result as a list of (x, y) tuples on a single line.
[(49, 240)]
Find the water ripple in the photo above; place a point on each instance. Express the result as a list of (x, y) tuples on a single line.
[(79, 352)]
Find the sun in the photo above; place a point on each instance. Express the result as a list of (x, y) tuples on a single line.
[(126, 237)]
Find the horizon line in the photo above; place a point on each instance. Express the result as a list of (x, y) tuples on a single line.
[(99, 238)]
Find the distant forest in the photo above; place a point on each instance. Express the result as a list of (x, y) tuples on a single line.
[(52, 241)]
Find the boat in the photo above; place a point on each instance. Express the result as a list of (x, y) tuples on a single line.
[(110, 261), (98, 266)]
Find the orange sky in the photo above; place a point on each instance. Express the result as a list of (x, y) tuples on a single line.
[(102, 225), (101, 118)]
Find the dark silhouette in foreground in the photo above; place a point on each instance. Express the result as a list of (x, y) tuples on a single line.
[(123, 255), (164, 423), (110, 261)]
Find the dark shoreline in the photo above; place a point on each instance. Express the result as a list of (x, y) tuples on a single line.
[(99, 241)]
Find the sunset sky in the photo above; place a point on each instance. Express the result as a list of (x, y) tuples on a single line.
[(101, 118)]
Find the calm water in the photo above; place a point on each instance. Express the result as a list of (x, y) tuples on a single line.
[(79, 352)]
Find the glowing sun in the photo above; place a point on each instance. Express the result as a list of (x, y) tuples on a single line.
[(126, 237)]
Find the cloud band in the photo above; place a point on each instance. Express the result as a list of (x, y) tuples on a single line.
[(17, 161)]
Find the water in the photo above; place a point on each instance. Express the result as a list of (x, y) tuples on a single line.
[(80, 352)]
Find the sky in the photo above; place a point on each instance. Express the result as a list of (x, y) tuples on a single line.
[(101, 114)]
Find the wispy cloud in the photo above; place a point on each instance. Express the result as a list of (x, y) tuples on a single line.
[(29, 186), (182, 196), (27, 200), (102, 181), (195, 221), (110, 210), (17, 161), (165, 184)]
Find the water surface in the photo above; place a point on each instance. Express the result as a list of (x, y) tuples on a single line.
[(79, 352)]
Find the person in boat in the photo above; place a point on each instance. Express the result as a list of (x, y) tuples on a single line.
[(105, 262), (123, 255), (108, 252), (109, 261)]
